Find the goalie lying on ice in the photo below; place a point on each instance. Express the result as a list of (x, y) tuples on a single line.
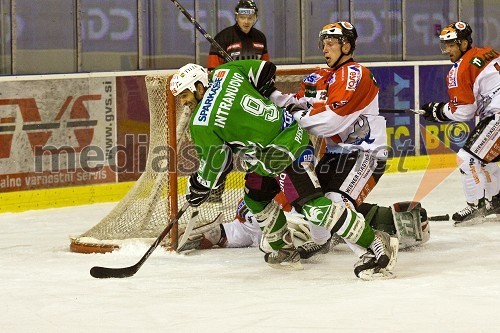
[(406, 220)]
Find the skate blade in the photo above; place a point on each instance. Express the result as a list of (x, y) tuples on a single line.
[(493, 218), (288, 266), (469, 222), (382, 274)]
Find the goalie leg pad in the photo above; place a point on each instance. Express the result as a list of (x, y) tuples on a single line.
[(378, 217), (408, 223)]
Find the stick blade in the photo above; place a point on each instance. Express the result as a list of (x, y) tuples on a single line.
[(106, 273)]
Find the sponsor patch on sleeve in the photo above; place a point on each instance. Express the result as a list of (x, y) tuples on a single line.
[(202, 117)]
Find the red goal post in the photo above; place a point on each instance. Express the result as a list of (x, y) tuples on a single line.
[(154, 199)]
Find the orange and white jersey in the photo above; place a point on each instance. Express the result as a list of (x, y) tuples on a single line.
[(474, 85), (342, 107)]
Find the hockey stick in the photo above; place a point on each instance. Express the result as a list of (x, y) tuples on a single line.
[(420, 112), (187, 232), (445, 217), (105, 272), (205, 34)]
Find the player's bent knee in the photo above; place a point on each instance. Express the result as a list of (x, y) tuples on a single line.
[(467, 163)]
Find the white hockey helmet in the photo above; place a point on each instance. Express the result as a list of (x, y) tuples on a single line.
[(187, 77)]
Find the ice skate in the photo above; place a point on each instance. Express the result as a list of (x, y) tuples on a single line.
[(473, 214), (385, 248), (379, 259), (493, 209), (311, 248), (368, 269), (285, 258)]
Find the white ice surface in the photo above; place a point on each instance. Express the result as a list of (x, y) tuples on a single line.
[(450, 284)]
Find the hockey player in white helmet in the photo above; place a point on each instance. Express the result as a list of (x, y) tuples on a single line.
[(269, 152)]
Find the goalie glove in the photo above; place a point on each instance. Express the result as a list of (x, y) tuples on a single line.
[(435, 112), (196, 193)]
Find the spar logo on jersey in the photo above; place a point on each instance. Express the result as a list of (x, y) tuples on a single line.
[(202, 117), (312, 79), (453, 75), (353, 77)]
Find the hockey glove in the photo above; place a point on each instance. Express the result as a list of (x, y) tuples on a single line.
[(196, 192), (268, 87), (434, 112), (294, 108), (266, 79)]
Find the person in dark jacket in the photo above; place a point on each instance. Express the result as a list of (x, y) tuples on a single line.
[(241, 41)]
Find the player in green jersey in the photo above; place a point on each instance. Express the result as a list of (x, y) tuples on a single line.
[(233, 115)]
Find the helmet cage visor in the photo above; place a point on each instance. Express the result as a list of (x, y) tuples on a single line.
[(330, 39), (454, 34), (445, 45), (330, 33)]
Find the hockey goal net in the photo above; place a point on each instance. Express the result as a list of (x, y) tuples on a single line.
[(155, 197)]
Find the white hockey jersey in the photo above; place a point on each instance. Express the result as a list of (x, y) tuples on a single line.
[(342, 107), (474, 85)]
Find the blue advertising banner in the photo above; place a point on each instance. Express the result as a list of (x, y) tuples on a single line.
[(400, 134), (396, 86), (396, 92), (439, 138)]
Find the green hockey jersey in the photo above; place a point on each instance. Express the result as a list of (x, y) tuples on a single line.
[(233, 117)]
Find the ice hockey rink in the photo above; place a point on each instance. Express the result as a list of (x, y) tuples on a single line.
[(450, 284)]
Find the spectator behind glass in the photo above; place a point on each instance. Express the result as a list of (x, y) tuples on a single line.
[(241, 41)]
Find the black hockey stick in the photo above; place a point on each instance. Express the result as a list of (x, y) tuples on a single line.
[(205, 34), (445, 217), (105, 272), (402, 111)]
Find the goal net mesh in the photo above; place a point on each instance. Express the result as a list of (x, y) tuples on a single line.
[(153, 200)]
